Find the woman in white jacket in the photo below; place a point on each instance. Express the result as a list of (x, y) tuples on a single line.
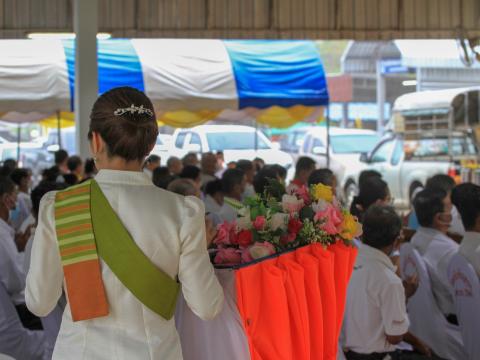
[(106, 244)]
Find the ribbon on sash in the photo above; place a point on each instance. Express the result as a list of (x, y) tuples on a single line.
[(88, 229)]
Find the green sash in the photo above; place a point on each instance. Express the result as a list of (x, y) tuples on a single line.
[(87, 228), (150, 285)]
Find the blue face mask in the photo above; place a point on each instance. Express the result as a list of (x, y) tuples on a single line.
[(14, 214)]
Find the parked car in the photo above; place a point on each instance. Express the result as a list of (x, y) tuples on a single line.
[(236, 143), (163, 146), (293, 141), (430, 133), (346, 146), (67, 140)]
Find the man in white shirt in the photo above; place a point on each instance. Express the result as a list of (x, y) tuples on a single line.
[(433, 209), (466, 198), (12, 275), (233, 184), (376, 319)]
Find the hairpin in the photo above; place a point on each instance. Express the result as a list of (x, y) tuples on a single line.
[(133, 110)]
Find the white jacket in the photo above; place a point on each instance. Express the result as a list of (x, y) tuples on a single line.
[(170, 229)]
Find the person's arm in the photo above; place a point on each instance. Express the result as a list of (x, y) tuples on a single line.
[(394, 312), (418, 344), (45, 276), (201, 289)]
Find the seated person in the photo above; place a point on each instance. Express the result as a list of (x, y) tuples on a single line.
[(445, 183), (434, 212), (234, 182), (376, 319), (466, 198), (15, 340)]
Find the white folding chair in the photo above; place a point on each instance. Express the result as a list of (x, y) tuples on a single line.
[(466, 291), (426, 320)]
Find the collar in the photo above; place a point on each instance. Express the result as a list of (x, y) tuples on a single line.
[(430, 232), (297, 182), (370, 254), (6, 228), (123, 177)]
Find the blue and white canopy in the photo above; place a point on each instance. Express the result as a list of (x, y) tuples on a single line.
[(194, 79)]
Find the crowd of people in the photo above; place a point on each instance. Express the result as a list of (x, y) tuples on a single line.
[(376, 323)]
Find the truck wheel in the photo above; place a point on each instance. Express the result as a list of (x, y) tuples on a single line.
[(351, 190)]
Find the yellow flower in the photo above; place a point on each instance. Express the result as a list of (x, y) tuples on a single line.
[(322, 192), (351, 228)]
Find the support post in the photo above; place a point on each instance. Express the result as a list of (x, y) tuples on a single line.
[(86, 71), (380, 97)]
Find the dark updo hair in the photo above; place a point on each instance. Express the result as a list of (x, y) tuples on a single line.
[(129, 136)]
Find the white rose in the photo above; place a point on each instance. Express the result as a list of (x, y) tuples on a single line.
[(244, 223), (244, 212), (290, 203), (279, 221), (320, 205)]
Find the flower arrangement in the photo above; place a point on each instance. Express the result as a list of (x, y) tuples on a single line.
[(280, 220)]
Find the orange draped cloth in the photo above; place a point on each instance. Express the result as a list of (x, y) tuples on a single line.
[(292, 305)]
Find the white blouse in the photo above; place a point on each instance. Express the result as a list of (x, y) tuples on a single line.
[(170, 229)]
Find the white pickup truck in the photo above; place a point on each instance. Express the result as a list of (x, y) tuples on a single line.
[(430, 133)]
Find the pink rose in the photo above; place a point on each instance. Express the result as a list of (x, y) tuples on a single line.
[(330, 219), (259, 223), (261, 249), (246, 257), (223, 235), (228, 256)]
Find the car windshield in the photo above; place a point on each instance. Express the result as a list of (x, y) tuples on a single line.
[(159, 141), (353, 144), (235, 141), (439, 147)]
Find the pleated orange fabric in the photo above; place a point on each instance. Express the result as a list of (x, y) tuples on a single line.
[(314, 301), (297, 305), (262, 303), (342, 274), (326, 277)]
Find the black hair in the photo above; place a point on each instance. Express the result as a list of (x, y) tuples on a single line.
[(7, 186), (74, 162), (161, 177), (466, 198), (372, 190), (367, 174), (281, 171), (321, 176), (60, 156), (128, 134), (230, 178), (190, 172), (18, 175), (381, 226), (427, 204), (171, 160), (152, 159), (90, 167), (51, 174), (213, 187), (39, 191), (261, 180), (304, 164), (245, 165), (189, 159), (70, 179), (440, 182)]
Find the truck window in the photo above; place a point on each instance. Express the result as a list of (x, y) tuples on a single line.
[(180, 140), (306, 144), (383, 152), (397, 153)]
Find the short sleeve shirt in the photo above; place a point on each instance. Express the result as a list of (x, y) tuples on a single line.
[(376, 304)]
